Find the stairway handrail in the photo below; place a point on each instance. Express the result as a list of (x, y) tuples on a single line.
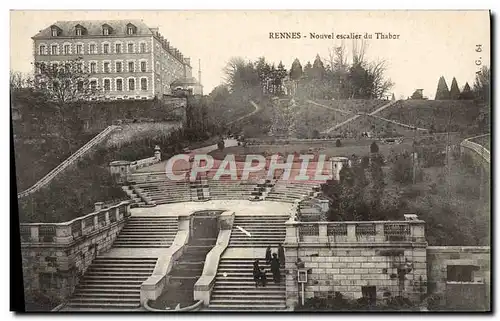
[(68, 161), (478, 148)]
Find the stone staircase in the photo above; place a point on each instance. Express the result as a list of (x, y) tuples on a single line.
[(288, 192), (227, 189), (147, 232), (264, 229), (165, 191), (111, 283), (235, 290)]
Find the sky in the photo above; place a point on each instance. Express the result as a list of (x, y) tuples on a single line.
[(430, 44)]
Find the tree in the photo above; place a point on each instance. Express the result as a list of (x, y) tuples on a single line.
[(318, 69), (417, 94), (338, 143), (454, 91), (308, 70), (466, 93), (442, 91), (296, 70), (66, 83), (482, 84), (374, 148), (393, 97), (379, 84)]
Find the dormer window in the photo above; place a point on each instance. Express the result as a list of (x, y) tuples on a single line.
[(131, 29), (55, 30), (80, 30), (106, 30)]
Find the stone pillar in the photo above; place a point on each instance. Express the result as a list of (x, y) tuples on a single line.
[(34, 234), (157, 153), (63, 234), (119, 170), (291, 232), (351, 233)]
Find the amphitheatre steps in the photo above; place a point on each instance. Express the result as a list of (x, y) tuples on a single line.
[(147, 232), (264, 230), (235, 289), (111, 283)]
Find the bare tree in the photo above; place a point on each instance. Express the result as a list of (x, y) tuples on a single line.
[(66, 83), (381, 85), (19, 80)]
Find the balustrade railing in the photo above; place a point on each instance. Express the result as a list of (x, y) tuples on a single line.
[(357, 232), (67, 232)]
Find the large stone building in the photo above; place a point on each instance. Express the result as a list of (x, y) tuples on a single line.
[(126, 58)]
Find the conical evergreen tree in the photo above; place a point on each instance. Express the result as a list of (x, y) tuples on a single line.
[(393, 97), (442, 91), (296, 70), (454, 91), (466, 93)]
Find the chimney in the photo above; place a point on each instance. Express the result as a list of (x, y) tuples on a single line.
[(199, 71)]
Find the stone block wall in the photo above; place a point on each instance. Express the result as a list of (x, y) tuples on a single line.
[(54, 268), (347, 269), (440, 257)]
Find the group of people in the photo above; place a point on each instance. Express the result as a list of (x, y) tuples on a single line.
[(275, 260)]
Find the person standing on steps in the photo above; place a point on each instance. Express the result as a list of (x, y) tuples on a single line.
[(256, 273), (281, 255), (268, 255), (275, 268), (263, 277)]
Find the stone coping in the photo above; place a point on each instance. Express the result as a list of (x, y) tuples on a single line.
[(193, 307), (454, 249)]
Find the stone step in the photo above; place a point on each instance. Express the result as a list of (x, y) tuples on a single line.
[(253, 290), (112, 296), (280, 297), (107, 290), (136, 283), (243, 301), (143, 246), (116, 277), (123, 264), (95, 273), (109, 287), (91, 305)]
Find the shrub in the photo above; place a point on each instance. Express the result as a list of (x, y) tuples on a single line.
[(338, 143)]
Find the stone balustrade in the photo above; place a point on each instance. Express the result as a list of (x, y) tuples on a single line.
[(68, 232), (354, 232)]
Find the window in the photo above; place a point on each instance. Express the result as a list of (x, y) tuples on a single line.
[(106, 67), (130, 48), (130, 30), (79, 67), (131, 84), (144, 84), (118, 48), (107, 85), (105, 48), (54, 32), (80, 86), (93, 85), (78, 31), (93, 67), (131, 66), (53, 50), (92, 49), (54, 67), (461, 273), (79, 49), (105, 31), (119, 85), (118, 66), (143, 66), (66, 49), (41, 50), (143, 47)]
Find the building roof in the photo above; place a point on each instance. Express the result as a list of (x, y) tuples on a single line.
[(94, 28), (185, 81)]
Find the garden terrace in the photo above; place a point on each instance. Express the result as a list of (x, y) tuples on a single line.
[(436, 115)]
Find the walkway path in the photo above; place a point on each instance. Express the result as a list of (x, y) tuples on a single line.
[(329, 107), (357, 116), (257, 109), (160, 167)]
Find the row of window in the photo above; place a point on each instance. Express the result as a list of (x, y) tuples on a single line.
[(106, 30), (79, 48), (119, 66), (119, 84)]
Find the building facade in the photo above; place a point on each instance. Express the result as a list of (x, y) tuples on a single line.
[(125, 59)]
